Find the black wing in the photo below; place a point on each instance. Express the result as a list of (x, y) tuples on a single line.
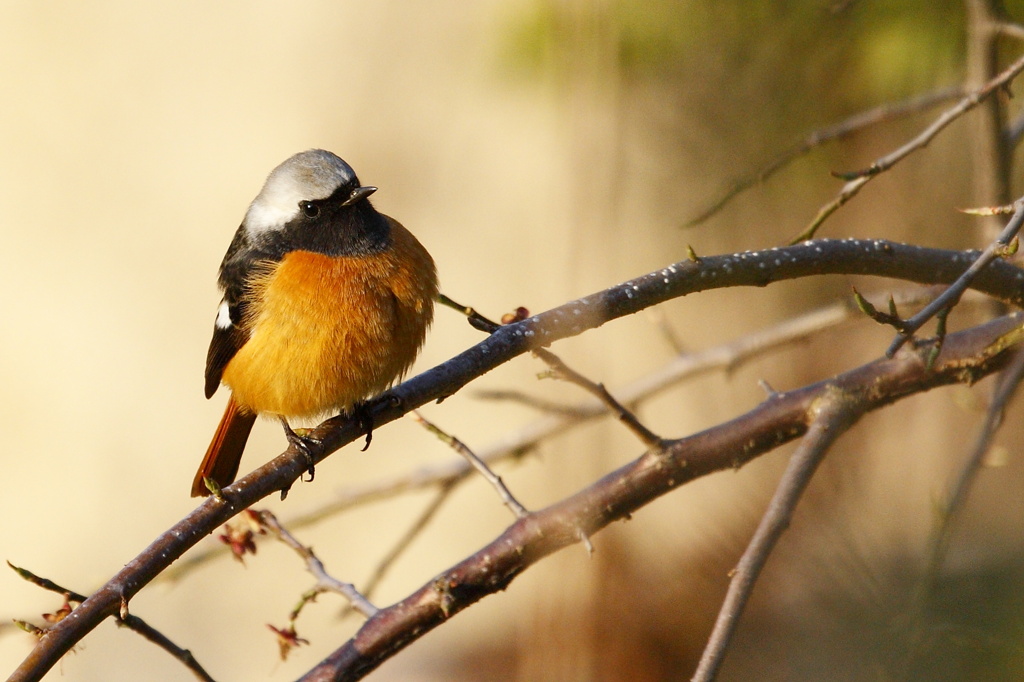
[(228, 332), (246, 257), (225, 343)]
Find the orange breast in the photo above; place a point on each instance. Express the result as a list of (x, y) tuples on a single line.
[(328, 332)]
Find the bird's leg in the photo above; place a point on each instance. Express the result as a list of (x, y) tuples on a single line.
[(304, 445), (363, 415)]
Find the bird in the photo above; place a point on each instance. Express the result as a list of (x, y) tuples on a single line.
[(326, 304)]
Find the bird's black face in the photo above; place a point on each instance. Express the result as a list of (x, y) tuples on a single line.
[(343, 224), (311, 202)]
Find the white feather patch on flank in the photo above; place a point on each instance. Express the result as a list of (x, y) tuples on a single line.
[(223, 316)]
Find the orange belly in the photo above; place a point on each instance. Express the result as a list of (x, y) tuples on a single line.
[(329, 332)]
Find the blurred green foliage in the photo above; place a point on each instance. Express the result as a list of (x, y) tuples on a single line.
[(727, 85), (880, 49)]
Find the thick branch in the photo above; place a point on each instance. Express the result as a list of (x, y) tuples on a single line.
[(967, 356), (951, 296), (862, 257), (561, 418)]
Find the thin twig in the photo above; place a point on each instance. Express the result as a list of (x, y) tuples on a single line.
[(563, 371), (832, 414), (130, 621), (481, 467), (46, 583), (148, 632), (325, 582), (658, 317), (1009, 382), (1011, 30), (853, 124), (532, 401), (477, 320), (857, 180), (992, 158), (650, 439), (428, 513), (951, 296)]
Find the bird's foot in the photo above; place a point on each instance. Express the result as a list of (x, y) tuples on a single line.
[(305, 444), (363, 415)]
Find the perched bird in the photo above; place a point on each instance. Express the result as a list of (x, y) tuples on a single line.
[(326, 304)]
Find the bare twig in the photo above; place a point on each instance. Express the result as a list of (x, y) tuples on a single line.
[(831, 415), (658, 317), (563, 371), (130, 621), (481, 467), (569, 411), (949, 298), (853, 124), (1006, 389), (141, 627), (992, 157), (443, 493), (1011, 30), (475, 319), (46, 583), (857, 180), (890, 318), (325, 582)]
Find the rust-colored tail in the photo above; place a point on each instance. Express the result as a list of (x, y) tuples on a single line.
[(225, 452)]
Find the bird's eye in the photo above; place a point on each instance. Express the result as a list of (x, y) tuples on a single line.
[(310, 209)]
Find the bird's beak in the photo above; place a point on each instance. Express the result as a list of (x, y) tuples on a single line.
[(357, 194)]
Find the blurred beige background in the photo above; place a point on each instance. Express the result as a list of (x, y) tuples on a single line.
[(541, 151)]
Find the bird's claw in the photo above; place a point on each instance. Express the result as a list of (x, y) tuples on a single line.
[(304, 444)]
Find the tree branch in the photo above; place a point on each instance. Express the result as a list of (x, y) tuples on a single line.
[(857, 180), (507, 498), (1007, 385), (758, 268), (725, 356), (832, 415), (782, 417), (325, 582), (124, 619), (853, 124), (951, 296)]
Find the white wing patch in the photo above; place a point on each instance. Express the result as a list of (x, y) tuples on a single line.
[(223, 316)]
